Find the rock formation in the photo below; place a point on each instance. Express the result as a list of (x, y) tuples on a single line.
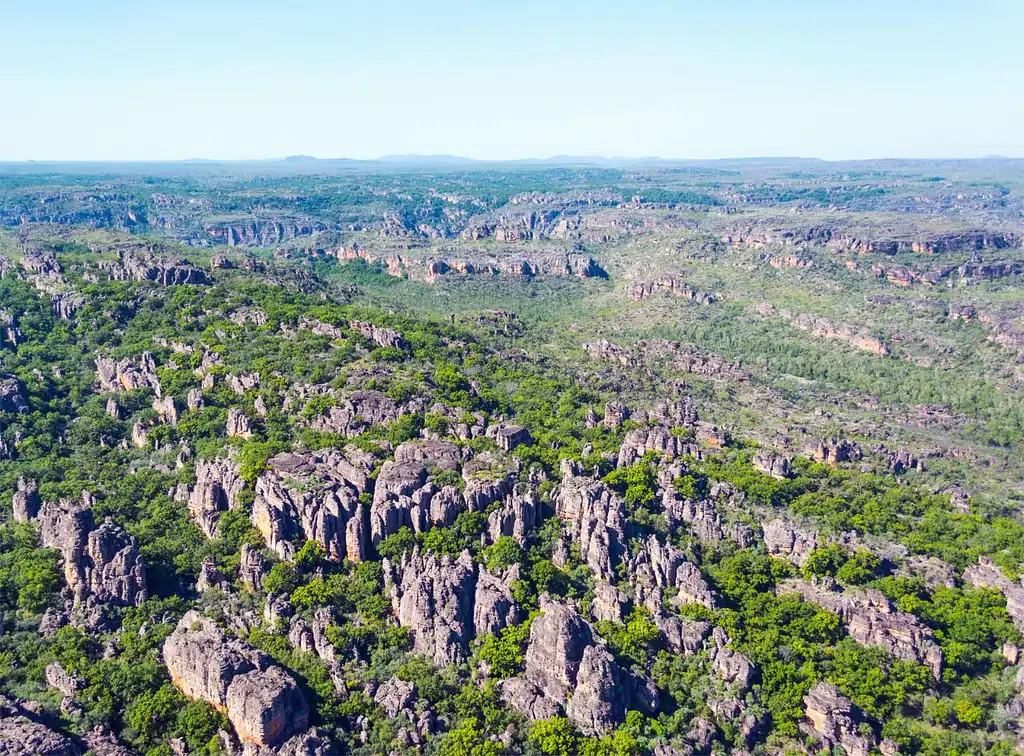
[(564, 667), (127, 375), (218, 485), (655, 568), (784, 538), (22, 735), (314, 496), (670, 287), (834, 722), (262, 702), (143, 265), (434, 597), (101, 564), (238, 425), (25, 502), (769, 463), (595, 519), (385, 337), (871, 619)]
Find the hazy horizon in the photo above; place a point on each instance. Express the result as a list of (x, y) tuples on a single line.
[(564, 158)]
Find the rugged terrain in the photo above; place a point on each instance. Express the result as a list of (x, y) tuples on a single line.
[(668, 459)]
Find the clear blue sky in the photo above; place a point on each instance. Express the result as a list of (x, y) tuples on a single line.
[(229, 79)]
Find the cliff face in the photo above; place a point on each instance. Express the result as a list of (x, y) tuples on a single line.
[(511, 263), (263, 233)]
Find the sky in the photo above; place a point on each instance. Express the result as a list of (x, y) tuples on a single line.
[(249, 79)]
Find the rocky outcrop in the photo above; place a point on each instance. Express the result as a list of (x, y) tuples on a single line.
[(987, 574), (660, 439), (262, 232), (871, 619), (850, 334), (823, 328), (11, 397), (395, 696), (510, 263), (784, 538), (67, 303), (166, 410), (239, 383), (899, 461), (127, 375), (262, 702), (516, 517), (112, 569), (508, 437), (385, 337), (311, 637), (598, 702), (25, 502), (558, 639), (834, 722), (22, 735), (770, 463), (143, 265), (673, 287), (831, 451), (682, 636), (404, 494), (358, 412), (595, 520), (434, 597), (314, 496), (238, 424), (218, 485), (564, 667), (252, 567), (100, 564), (655, 569), (494, 609), (447, 602)]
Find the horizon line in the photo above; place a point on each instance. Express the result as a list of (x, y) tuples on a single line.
[(427, 158)]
